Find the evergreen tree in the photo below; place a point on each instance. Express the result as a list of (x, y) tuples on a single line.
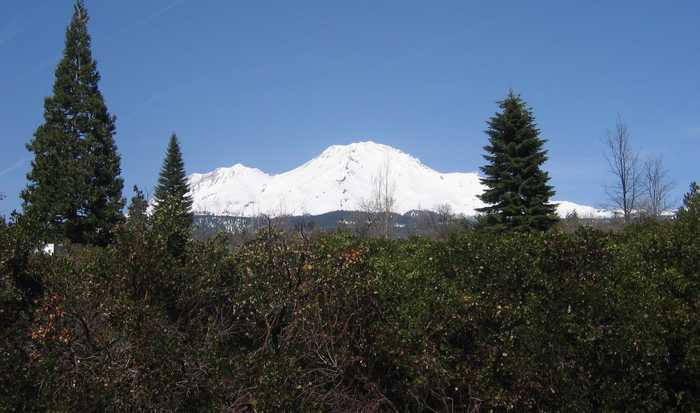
[(75, 188), (173, 206), (691, 203), (138, 209), (517, 191)]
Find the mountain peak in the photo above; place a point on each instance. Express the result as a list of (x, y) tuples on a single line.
[(340, 178), (365, 154), (363, 147)]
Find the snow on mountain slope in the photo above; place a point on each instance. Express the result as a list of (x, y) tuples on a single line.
[(564, 208), (341, 179)]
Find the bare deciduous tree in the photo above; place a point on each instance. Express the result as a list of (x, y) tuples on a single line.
[(445, 218), (386, 189), (624, 193), (657, 186), (435, 223), (378, 209)]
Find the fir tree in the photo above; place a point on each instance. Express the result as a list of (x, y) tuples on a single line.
[(138, 210), (75, 188), (173, 206), (517, 191), (691, 203)]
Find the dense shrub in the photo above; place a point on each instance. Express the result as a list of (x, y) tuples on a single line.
[(19, 288), (586, 321)]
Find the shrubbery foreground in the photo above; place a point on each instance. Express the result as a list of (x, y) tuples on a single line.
[(588, 321)]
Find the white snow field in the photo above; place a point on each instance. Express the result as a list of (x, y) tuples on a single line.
[(341, 178)]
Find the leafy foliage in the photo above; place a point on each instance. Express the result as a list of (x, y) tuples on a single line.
[(583, 321), (20, 285)]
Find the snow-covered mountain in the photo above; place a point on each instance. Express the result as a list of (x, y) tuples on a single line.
[(341, 178)]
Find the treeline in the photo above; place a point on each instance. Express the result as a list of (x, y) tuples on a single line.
[(587, 321)]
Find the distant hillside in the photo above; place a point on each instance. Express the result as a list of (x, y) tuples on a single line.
[(410, 223)]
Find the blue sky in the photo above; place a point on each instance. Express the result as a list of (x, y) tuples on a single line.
[(271, 84)]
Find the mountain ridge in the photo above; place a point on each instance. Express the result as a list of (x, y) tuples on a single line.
[(341, 178)]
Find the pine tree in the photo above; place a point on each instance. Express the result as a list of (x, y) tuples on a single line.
[(75, 188), (691, 203), (517, 191), (173, 206), (138, 210)]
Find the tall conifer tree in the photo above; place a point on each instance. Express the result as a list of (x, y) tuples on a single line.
[(517, 191), (173, 206), (691, 203), (75, 188)]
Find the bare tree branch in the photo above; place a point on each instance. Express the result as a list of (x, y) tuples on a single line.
[(623, 161), (657, 186), (379, 208)]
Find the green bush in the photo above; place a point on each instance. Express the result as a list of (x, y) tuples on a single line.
[(583, 321)]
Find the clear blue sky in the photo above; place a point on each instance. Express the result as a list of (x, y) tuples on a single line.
[(271, 84)]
